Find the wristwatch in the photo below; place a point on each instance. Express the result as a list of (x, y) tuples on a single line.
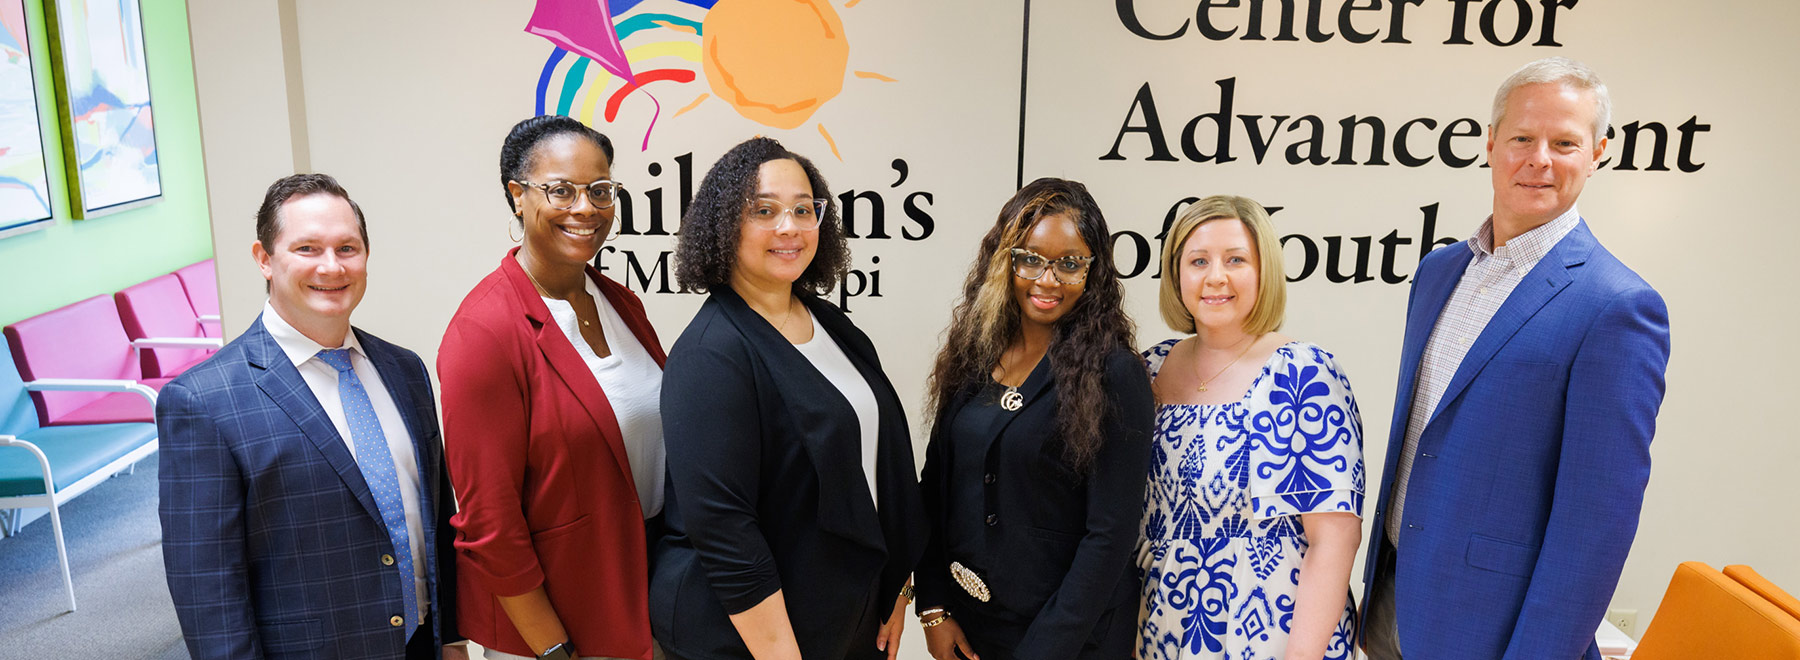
[(563, 651)]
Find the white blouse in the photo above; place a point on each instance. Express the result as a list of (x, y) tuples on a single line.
[(829, 358), (633, 385)]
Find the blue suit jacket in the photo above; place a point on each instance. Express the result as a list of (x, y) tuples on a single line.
[(272, 541), (1525, 492)]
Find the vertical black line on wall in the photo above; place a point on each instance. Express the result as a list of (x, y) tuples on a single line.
[(1024, 61)]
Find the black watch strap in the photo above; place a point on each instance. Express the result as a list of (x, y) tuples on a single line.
[(563, 651)]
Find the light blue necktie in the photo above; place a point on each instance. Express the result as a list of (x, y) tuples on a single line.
[(377, 465)]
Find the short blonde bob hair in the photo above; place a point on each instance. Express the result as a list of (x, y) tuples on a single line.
[(1271, 289)]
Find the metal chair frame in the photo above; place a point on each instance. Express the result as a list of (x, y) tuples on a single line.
[(53, 499)]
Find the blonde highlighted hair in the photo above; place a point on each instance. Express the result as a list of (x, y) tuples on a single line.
[(1271, 289)]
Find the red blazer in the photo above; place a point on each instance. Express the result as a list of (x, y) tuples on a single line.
[(539, 468)]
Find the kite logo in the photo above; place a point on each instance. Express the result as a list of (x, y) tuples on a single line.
[(775, 62)]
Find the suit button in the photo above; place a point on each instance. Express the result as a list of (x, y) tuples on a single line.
[(992, 520), (387, 560), (397, 622), (989, 478)]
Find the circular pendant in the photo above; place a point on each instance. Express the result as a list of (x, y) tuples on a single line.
[(1012, 400)]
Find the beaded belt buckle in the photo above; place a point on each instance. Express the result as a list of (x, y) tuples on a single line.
[(969, 581)]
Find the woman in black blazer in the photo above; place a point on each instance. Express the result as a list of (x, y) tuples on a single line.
[(793, 512), (1034, 478)]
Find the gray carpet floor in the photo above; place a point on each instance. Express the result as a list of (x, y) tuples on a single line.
[(115, 556)]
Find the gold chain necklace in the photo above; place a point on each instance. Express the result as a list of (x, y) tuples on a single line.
[(1221, 372), (546, 293), (785, 317)]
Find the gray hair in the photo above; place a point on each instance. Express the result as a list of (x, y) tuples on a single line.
[(1560, 70)]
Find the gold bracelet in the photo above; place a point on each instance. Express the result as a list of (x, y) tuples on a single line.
[(943, 615)]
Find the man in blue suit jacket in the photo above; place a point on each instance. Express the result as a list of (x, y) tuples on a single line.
[(305, 504), (1530, 379)]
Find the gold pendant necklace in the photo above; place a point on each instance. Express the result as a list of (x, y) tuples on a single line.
[(546, 293), (1010, 400), (1228, 367)]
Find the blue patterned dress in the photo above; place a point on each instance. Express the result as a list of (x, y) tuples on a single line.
[(1221, 537)]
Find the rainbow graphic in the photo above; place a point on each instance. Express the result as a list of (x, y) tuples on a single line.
[(775, 62), (588, 31)]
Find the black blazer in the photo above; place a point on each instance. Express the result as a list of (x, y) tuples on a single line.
[(1059, 546), (766, 490)]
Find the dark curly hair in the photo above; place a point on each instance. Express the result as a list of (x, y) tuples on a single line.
[(520, 148), (706, 251), (988, 319)]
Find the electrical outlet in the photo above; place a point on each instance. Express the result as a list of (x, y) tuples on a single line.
[(1624, 620)]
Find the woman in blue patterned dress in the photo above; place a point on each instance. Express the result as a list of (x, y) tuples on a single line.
[(1252, 517)]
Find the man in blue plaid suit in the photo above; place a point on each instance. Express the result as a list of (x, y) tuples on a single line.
[(305, 505)]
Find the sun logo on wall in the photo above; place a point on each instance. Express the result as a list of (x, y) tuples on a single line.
[(775, 62)]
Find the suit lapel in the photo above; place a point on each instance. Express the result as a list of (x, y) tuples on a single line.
[(896, 476), (569, 366), (572, 369), (846, 507), (281, 382), (1547, 279), (1428, 303), (1036, 384)]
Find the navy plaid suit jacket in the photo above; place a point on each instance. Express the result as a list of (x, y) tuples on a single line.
[(271, 539)]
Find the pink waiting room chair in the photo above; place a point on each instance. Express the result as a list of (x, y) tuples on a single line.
[(86, 341), (201, 280), (161, 322)]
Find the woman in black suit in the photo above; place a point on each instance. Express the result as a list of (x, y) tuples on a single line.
[(1034, 478), (793, 512)]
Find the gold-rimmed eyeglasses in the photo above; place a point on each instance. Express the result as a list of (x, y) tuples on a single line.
[(1068, 270), (562, 194), (766, 213)]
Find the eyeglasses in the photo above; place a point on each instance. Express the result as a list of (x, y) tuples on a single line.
[(766, 213), (1068, 270), (562, 194)]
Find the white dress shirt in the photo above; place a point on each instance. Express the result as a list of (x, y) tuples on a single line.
[(1486, 282), (322, 379)]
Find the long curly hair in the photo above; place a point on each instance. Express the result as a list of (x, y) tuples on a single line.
[(706, 251), (988, 319)]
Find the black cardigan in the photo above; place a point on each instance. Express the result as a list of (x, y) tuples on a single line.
[(766, 489), (1060, 546)]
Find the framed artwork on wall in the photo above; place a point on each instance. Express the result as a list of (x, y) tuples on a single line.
[(24, 183), (103, 101)]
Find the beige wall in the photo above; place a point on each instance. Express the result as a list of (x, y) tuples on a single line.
[(248, 132), (407, 102)]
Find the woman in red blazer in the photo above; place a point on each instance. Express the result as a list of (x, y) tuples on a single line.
[(551, 376)]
